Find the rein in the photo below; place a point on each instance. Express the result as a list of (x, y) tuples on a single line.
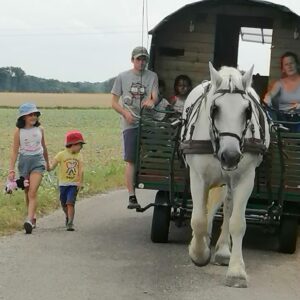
[(191, 112)]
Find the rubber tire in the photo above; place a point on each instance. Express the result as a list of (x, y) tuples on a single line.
[(160, 219), (288, 234)]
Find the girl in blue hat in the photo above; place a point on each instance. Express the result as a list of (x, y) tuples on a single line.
[(30, 149)]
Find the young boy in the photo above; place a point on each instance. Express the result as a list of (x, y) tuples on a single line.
[(70, 174)]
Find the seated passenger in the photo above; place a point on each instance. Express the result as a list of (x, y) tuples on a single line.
[(162, 103), (284, 96), (182, 87)]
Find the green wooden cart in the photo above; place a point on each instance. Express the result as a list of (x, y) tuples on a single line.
[(275, 200)]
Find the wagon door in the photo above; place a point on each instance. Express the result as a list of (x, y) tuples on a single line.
[(226, 42), (227, 37)]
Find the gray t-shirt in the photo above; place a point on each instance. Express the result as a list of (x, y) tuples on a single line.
[(282, 99), (133, 89), (287, 98)]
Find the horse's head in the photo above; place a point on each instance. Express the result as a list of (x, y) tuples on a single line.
[(230, 113)]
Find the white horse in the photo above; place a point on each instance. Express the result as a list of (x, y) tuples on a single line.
[(223, 123)]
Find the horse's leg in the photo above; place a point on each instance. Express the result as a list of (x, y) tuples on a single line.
[(199, 249), (216, 197), (223, 246), (236, 275)]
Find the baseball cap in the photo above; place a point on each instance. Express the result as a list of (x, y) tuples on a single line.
[(28, 108), (139, 51), (74, 137)]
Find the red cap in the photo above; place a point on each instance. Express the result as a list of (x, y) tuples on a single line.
[(74, 137)]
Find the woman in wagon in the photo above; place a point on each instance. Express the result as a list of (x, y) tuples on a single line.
[(284, 96), (132, 90)]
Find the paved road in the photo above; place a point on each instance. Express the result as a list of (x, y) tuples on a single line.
[(110, 256)]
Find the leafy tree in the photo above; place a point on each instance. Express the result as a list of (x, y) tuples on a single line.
[(14, 79)]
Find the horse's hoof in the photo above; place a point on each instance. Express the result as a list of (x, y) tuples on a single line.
[(238, 282), (221, 260), (201, 263), (199, 255)]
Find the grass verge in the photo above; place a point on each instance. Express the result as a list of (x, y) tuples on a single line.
[(104, 168)]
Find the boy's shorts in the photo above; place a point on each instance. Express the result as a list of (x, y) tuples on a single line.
[(68, 194), (31, 163), (130, 144)]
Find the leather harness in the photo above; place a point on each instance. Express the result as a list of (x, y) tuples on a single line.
[(252, 145)]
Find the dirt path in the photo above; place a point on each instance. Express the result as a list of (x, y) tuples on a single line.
[(110, 256)]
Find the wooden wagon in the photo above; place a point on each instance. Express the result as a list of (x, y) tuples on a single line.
[(212, 30), (183, 43)]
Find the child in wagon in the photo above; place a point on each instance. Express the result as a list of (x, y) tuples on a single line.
[(70, 174), (162, 104), (182, 88)]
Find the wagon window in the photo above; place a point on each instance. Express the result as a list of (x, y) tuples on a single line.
[(257, 41), (256, 35), (168, 51)]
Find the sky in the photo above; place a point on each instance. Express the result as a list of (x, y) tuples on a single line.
[(82, 40)]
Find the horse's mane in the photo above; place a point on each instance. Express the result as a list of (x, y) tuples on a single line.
[(232, 79)]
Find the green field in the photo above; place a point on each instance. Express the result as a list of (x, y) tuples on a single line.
[(102, 157)]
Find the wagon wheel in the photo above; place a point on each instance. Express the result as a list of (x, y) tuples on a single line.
[(288, 233), (161, 219)]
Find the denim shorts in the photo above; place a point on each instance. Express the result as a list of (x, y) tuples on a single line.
[(31, 163), (130, 144), (68, 194)]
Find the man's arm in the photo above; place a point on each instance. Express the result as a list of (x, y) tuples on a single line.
[(153, 98), (121, 110)]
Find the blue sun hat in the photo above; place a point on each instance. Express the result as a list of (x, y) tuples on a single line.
[(28, 108)]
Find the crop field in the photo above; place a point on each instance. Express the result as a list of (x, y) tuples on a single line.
[(102, 157), (56, 100)]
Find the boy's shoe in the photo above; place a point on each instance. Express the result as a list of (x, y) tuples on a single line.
[(28, 227), (133, 203), (70, 226)]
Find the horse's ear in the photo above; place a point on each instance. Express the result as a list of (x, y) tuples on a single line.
[(247, 78), (215, 77)]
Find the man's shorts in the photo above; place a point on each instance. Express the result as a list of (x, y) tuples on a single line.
[(31, 163), (130, 144), (68, 194)]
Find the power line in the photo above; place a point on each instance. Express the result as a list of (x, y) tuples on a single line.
[(49, 34)]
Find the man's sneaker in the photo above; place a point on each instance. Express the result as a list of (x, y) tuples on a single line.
[(28, 227), (70, 226), (133, 204)]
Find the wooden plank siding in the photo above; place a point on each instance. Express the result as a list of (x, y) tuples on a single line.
[(199, 45), (198, 50), (282, 41)]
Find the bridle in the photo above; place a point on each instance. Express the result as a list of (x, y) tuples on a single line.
[(216, 134)]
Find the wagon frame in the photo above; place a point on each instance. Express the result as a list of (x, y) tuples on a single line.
[(183, 43), (275, 200)]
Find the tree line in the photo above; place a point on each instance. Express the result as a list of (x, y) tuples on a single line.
[(14, 79)]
